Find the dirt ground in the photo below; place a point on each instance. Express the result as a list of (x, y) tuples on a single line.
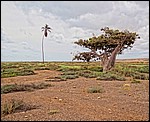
[(73, 103)]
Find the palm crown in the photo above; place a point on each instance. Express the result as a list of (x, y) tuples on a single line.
[(46, 28)]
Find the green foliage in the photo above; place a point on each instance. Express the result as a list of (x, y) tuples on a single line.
[(110, 77), (16, 72), (56, 79), (86, 56), (8, 88), (12, 69), (70, 73), (137, 71), (95, 89), (69, 68), (141, 76), (105, 42), (46, 66), (110, 39), (143, 69), (86, 73), (22, 87), (69, 76), (96, 68)]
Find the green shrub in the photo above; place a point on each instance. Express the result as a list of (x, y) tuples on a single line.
[(16, 72), (95, 89), (8, 88), (70, 73), (140, 68), (53, 66), (85, 73), (109, 76), (141, 76), (69, 76), (65, 68), (96, 68), (22, 87), (143, 69)]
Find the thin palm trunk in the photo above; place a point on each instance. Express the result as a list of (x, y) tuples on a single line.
[(43, 48), (45, 29)]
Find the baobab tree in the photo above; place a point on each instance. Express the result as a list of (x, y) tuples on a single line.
[(46, 28), (106, 46)]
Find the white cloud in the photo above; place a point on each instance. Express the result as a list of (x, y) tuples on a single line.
[(22, 21)]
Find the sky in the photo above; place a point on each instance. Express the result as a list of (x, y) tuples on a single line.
[(21, 23)]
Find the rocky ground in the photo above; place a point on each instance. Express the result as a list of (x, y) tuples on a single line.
[(70, 101)]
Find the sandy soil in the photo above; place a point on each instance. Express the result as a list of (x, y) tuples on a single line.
[(76, 104)]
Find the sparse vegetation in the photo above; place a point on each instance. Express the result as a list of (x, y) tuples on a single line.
[(69, 76), (71, 70), (135, 81), (16, 72), (13, 105), (95, 89), (87, 90), (53, 111), (109, 76), (22, 87)]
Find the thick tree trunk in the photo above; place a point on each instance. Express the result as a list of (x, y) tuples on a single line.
[(104, 59), (109, 63)]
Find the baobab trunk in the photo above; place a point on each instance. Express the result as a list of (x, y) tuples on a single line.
[(104, 59), (110, 62)]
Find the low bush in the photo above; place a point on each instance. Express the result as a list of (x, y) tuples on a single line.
[(69, 76), (65, 68), (85, 73), (54, 111), (13, 105), (22, 87), (141, 76), (15, 72), (135, 81), (95, 89), (109, 76), (96, 68), (70, 73)]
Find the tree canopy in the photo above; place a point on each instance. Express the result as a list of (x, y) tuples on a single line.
[(104, 45), (108, 41)]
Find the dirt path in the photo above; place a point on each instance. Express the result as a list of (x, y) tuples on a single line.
[(115, 103)]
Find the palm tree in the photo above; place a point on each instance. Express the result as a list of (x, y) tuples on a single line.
[(46, 28)]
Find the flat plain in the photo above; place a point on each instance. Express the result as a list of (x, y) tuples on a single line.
[(75, 91)]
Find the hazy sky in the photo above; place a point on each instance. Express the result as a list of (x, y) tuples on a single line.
[(21, 23)]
